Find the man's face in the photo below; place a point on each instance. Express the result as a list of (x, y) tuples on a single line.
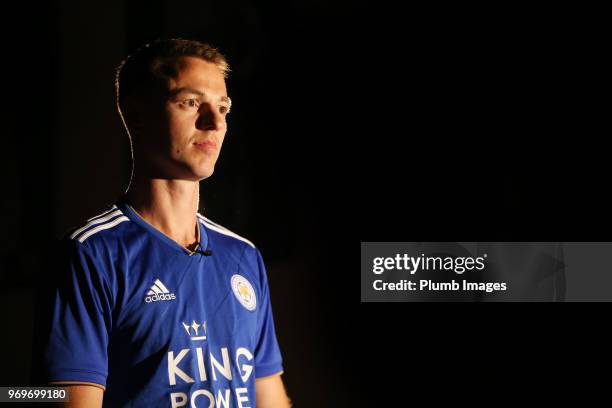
[(182, 139)]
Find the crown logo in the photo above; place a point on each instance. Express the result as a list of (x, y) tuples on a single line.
[(195, 329)]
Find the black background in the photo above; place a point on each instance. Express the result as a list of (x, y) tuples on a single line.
[(352, 121), (492, 125)]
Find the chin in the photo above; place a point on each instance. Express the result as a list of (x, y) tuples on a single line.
[(204, 174)]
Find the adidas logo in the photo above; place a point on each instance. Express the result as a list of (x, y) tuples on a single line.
[(159, 292)]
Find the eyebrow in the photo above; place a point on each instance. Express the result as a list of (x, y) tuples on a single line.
[(194, 91)]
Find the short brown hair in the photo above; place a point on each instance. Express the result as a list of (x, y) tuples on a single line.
[(153, 64)]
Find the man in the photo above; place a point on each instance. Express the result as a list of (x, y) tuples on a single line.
[(154, 304)]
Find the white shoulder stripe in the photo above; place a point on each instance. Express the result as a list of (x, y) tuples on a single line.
[(102, 227), (96, 221), (223, 230), (203, 218)]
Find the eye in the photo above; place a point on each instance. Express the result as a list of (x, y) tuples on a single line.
[(223, 109), (190, 103)]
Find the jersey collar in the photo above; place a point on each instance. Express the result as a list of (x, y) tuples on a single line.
[(133, 216)]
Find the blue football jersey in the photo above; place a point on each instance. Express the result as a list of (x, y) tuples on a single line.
[(155, 324)]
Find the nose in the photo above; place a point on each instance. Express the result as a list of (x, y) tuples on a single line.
[(209, 118)]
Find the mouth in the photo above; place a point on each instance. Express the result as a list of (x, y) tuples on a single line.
[(205, 144)]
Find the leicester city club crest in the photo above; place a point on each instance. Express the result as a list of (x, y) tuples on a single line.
[(243, 290)]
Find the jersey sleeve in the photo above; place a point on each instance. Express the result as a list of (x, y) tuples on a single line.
[(75, 321), (268, 360)]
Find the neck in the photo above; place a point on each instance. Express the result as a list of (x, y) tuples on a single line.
[(168, 205)]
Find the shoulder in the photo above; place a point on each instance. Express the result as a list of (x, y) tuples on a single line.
[(225, 235), (236, 248), (90, 252), (108, 224)]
